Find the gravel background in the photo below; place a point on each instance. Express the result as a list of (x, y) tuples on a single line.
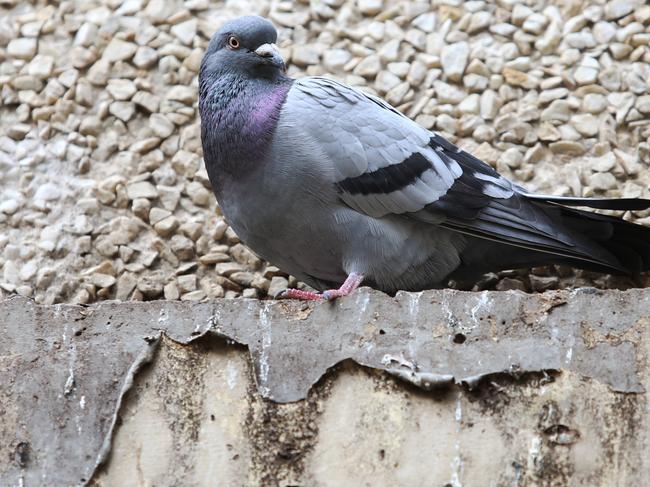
[(103, 190)]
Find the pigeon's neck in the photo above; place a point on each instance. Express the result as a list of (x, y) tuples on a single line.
[(238, 119)]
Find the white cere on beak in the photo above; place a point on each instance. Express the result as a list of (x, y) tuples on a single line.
[(268, 50)]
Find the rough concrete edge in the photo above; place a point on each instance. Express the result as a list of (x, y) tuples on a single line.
[(393, 365)]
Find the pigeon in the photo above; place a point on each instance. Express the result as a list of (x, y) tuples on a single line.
[(338, 188)]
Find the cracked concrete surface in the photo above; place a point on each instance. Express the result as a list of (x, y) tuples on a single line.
[(553, 391)]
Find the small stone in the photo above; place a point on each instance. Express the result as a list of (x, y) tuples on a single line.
[(18, 131), (484, 133), (510, 284), (187, 283), (197, 295), (604, 32), (169, 196), (145, 57), (166, 226), (150, 285), (416, 38), (448, 94), (244, 256), (520, 13), (28, 271), (535, 23), (147, 101), (558, 110), (141, 207), (587, 71), (604, 163), (171, 292), (145, 145), (515, 77), (214, 258), (185, 31), (594, 103), (9, 206), (550, 39), (454, 60), (335, 59), (586, 124), (141, 189), (90, 125), (182, 246), (567, 147), (121, 89), (47, 192), (602, 181), (396, 95), (475, 83), (105, 247), (543, 283), (368, 67), (22, 48), (490, 104), (470, 105), (124, 110), (193, 61), (512, 158), (102, 280), (86, 35), (548, 96), (157, 214), (227, 268), (580, 40), (386, 81), (161, 125), (370, 7), (615, 9), (41, 66), (243, 278), (119, 50), (643, 104), (289, 19), (198, 194), (304, 55), (479, 21), (184, 94), (250, 293)]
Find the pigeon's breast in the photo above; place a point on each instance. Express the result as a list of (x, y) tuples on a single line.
[(238, 119)]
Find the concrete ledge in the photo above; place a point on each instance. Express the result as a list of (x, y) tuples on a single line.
[(264, 393)]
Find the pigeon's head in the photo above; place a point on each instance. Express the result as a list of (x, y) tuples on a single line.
[(244, 46)]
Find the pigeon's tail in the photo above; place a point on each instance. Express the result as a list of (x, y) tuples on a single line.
[(627, 242), (600, 243)]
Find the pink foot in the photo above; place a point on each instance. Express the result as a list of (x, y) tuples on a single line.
[(351, 283)]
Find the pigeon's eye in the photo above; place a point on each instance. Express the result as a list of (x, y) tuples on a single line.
[(233, 42)]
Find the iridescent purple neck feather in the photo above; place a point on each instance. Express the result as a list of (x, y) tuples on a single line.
[(238, 120)]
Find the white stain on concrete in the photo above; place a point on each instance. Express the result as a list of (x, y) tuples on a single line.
[(265, 329)]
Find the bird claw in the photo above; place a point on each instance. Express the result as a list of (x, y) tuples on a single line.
[(330, 295)]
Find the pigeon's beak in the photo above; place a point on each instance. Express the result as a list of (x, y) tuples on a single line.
[(271, 54)]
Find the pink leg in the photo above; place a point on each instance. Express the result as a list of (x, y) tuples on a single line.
[(351, 283), (302, 295)]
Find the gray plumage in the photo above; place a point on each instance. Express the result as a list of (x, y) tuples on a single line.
[(324, 180)]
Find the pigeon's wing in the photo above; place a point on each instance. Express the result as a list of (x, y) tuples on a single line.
[(384, 163)]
